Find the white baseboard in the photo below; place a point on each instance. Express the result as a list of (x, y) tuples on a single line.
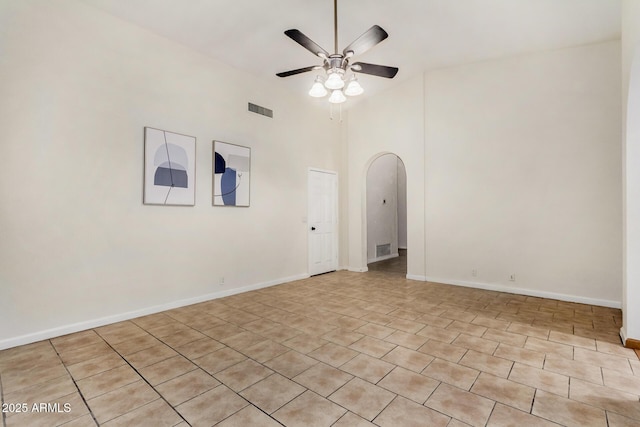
[(382, 258), (94, 323), (528, 292), (623, 335), (359, 270), (519, 291)]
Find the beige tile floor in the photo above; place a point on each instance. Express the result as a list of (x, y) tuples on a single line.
[(341, 349)]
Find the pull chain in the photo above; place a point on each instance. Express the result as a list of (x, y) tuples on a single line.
[(339, 112)]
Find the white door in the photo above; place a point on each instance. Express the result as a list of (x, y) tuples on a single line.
[(323, 221)]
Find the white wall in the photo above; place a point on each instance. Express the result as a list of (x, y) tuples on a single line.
[(382, 206), (78, 248), (631, 172), (521, 172), (402, 205)]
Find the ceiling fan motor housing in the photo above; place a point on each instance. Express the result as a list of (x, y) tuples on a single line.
[(336, 63)]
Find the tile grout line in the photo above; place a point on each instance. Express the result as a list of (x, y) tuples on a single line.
[(533, 402), (495, 403), (198, 366), (607, 418), (74, 382), (343, 415), (386, 406), (254, 406), (141, 377), (440, 412), (347, 409), (203, 370), (4, 423)]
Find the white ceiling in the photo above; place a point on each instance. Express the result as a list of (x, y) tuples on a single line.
[(423, 34)]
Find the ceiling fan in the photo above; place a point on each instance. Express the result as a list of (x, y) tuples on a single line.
[(337, 65)]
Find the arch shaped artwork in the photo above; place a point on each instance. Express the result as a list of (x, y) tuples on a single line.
[(169, 171)]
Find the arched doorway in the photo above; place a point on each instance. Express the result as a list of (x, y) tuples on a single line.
[(386, 211)]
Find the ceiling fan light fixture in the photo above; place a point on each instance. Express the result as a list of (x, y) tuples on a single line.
[(337, 97), (353, 88), (318, 90), (334, 81)]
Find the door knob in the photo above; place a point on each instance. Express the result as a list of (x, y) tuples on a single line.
[(313, 228)]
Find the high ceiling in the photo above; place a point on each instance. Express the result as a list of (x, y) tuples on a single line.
[(423, 34)]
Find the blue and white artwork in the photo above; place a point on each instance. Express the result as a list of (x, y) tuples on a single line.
[(169, 168), (231, 174)]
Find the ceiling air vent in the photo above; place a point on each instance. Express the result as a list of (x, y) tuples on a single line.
[(260, 110)]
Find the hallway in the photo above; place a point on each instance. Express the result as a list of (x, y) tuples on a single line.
[(393, 265)]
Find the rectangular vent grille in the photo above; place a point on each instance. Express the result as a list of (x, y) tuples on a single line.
[(382, 250), (260, 110)]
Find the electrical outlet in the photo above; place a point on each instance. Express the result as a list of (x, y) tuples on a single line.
[(474, 272), (512, 278), (221, 280)]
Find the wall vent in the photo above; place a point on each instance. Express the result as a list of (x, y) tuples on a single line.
[(260, 110), (382, 250)]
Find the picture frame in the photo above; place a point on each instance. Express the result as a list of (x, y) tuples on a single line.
[(231, 174), (169, 168)]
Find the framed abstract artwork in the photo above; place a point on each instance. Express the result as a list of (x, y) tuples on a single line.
[(231, 174), (169, 168)]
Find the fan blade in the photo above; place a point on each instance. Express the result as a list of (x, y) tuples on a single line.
[(298, 71), (366, 41), (374, 70), (307, 43)]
